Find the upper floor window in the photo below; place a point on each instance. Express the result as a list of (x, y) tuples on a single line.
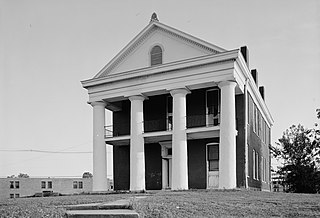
[(11, 184), (77, 184), (156, 55), (49, 184), (17, 184), (43, 184), (14, 184)]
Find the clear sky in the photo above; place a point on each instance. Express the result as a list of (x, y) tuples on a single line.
[(48, 46)]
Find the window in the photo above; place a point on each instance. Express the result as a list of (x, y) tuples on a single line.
[(75, 184), (254, 118), (257, 165), (169, 151), (156, 55), (11, 184), (17, 184), (17, 196), (254, 164), (262, 176), (43, 184), (49, 184), (213, 157), (213, 107), (80, 184), (169, 113), (265, 169), (11, 195)]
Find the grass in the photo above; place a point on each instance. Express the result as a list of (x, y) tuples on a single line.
[(199, 203)]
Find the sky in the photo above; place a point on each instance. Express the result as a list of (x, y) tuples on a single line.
[(48, 46)]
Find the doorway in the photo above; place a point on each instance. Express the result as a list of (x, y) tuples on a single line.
[(212, 165), (166, 153)]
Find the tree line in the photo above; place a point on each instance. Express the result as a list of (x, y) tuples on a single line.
[(299, 149)]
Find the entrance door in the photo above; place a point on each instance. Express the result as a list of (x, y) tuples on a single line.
[(213, 165), (166, 164)]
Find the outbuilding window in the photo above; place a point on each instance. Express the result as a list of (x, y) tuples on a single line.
[(156, 55)]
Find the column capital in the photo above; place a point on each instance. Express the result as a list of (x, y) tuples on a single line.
[(227, 83), (180, 91), (101, 103), (137, 97)]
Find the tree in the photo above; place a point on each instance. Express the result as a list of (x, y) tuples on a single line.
[(299, 148), (20, 175), (23, 175), (87, 175)]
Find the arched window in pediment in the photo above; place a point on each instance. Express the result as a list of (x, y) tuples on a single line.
[(156, 55)]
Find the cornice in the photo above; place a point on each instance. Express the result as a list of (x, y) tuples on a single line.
[(254, 89), (126, 53), (189, 41)]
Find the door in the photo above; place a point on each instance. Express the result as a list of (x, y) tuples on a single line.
[(212, 107), (213, 165), (166, 154)]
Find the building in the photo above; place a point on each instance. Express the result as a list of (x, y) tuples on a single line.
[(277, 183), (186, 114), (26, 187)]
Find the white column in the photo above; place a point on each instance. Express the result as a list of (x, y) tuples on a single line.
[(99, 148), (227, 159), (137, 159), (179, 141)]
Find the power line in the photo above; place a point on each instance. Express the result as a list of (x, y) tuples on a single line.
[(44, 151)]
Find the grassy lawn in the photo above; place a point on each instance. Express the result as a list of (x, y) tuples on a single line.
[(200, 203)]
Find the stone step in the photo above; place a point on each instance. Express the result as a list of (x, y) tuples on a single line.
[(119, 204), (120, 213)]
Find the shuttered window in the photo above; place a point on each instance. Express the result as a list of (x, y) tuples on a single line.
[(156, 55)]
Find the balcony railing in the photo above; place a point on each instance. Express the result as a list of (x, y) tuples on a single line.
[(121, 129), (203, 120), (157, 125), (193, 121)]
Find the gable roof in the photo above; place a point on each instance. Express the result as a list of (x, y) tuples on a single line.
[(151, 27)]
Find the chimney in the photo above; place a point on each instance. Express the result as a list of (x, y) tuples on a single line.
[(261, 90), (245, 53), (254, 74)]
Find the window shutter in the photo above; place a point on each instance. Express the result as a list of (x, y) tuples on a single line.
[(156, 55)]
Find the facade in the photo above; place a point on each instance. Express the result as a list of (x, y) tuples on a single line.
[(186, 114), (25, 187)]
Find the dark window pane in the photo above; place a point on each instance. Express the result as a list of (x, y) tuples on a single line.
[(213, 165), (43, 184), (75, 184), (156, 55), (49, 184), (213, 152), (17, 184)]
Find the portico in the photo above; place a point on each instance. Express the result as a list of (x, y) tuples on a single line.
[(177, 139)]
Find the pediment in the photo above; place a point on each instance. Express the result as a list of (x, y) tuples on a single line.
[(176, 46)]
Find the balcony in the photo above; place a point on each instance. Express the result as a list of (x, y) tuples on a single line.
[(198, 126)]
